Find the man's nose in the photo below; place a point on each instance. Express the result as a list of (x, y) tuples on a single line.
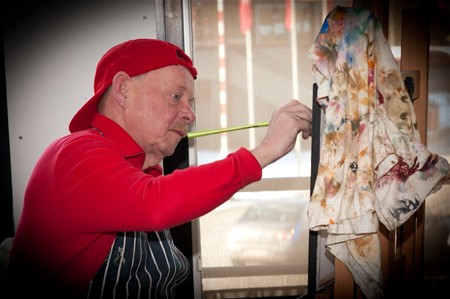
[(188, 113)]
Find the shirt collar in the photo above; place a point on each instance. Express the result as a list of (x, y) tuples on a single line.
[(111, 130)]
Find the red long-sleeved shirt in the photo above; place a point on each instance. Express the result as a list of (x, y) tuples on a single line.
[(90, 184)]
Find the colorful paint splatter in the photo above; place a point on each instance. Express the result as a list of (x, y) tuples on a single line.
[(373, 167)]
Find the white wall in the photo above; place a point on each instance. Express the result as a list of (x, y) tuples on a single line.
[(51, 52)]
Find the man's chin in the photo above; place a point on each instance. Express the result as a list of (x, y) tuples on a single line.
[(170, 152), (169, 147)]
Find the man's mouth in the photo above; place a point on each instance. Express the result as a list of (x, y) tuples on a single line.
[(181, 132)]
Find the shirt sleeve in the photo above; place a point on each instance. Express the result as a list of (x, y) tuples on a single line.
[(112, 195)]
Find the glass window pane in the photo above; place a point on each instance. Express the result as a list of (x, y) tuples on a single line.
[(258, 242), (252, 58)]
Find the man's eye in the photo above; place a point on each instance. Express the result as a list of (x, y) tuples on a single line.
[(176, 97)]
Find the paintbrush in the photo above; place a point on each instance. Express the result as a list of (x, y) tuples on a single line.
[(222, 130)]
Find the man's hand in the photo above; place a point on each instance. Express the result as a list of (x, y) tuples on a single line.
[(285, 124)]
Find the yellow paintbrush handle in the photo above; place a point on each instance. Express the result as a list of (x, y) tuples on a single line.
[(217, 131)]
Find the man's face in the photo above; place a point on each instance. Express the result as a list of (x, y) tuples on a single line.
[(159, 111)]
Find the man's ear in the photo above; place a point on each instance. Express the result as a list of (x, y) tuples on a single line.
[(120, 88)]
